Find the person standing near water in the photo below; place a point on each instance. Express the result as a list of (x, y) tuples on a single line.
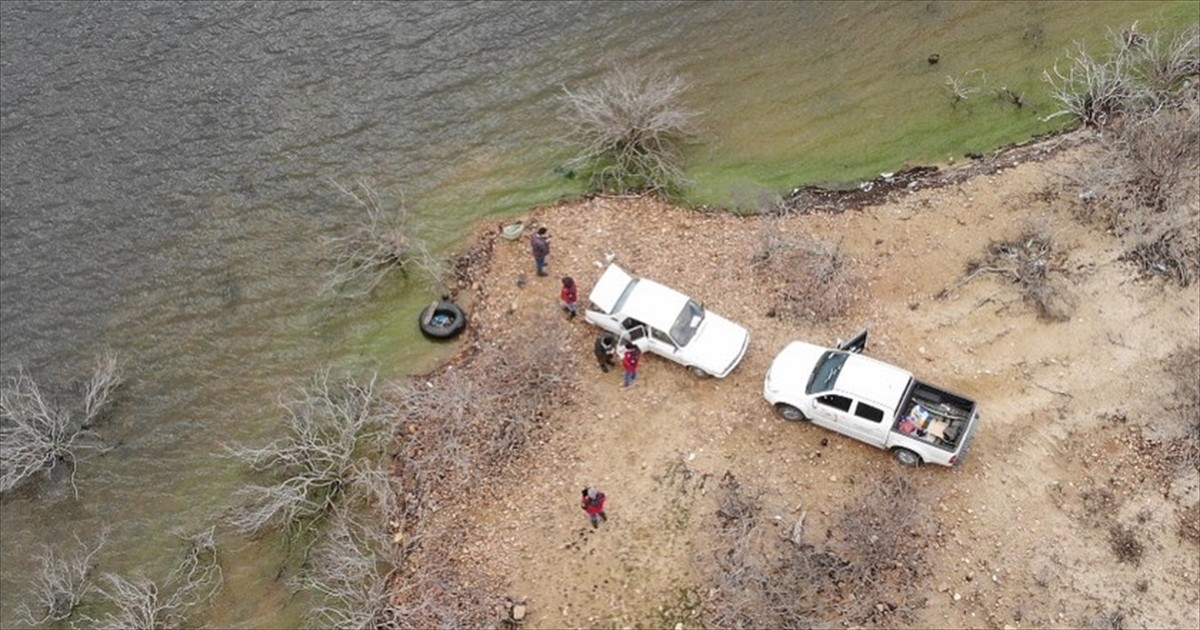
[(539, 246)]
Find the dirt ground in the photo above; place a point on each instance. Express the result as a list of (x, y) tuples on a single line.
[(1064, 456)]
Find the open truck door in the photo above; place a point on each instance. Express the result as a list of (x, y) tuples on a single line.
[(637, 336), (855, 344)]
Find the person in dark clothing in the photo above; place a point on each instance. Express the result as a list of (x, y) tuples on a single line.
[(539, 245), (606, 349), (630, 363), (569, 296), (593, 503)]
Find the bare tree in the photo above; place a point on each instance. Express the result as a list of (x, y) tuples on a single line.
[(629, 129), (36, 433), (144, 604), (380, 243), (329, 425), (61, 583)]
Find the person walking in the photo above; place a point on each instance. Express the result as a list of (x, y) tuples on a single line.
[(605, 348), (539, 245), (593, 503), (569, 296), (630, 363)]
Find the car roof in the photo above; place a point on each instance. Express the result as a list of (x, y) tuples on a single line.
[(885, 382), (654, 304)]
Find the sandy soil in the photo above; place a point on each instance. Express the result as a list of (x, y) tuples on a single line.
[(1071, 411)]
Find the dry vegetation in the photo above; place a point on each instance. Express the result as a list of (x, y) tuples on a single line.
[(1144, 98), (629, 128), (810, 278), (37, 432), (379, 243), (865, 575), (1032, 262), (61, 584)]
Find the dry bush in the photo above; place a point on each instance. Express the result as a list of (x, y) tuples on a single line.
[(330, 427), (1183, 370), (37, 433), (867, 576), (463, 421), (142, 603), (457, 428), (378, 244), (629, 129), (1188, 524), (1029, 261), (1125, 543), (1142, 185), (61, 584), (1141, 72), (810, 279)]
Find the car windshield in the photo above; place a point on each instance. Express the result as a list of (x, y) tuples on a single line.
[(827, 372), (687, 323)]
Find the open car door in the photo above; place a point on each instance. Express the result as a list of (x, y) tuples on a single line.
[(636, 335), (855, 344)]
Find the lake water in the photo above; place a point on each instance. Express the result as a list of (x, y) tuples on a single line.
[(165, 169)]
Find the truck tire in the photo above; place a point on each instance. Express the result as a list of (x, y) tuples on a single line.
[(790, 413), (697, 372), (906, 457), (442, 319)]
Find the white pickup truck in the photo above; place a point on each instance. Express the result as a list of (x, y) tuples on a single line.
[(659, 319), (871, 401)]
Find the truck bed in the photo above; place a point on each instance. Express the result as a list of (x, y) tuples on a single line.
[(935, 416)]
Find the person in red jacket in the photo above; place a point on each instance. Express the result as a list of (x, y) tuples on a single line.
[(593, 504), (569, 296), (630, 363)]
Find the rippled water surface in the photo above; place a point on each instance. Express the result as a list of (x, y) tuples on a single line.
[(166, 168)]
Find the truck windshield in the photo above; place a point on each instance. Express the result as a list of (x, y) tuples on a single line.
[(687, 323), (826, 373)]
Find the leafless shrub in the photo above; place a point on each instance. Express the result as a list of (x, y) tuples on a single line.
[(1100, 505), (1183, 370), (1091, 90), (36, 433), (1029, 261), (142, 603), (629, 128), (353, 565), (1163, 61), (61, 584), (963, 87), (382, 242), (1108, 620), (810, 278), (1188, 524), (771, 581), (329, 426), (1125, 543)]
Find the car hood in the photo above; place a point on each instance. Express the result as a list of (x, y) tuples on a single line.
[(793, 366), (718, 345)]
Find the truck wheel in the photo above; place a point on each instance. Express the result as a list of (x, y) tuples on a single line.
[(790, 413), (906, 457), (697, 372)]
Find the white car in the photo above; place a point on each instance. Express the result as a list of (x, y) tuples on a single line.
[(666, 322)]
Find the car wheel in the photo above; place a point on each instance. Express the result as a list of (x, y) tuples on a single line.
[(790, 413), (697, 372), (906, 457)]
